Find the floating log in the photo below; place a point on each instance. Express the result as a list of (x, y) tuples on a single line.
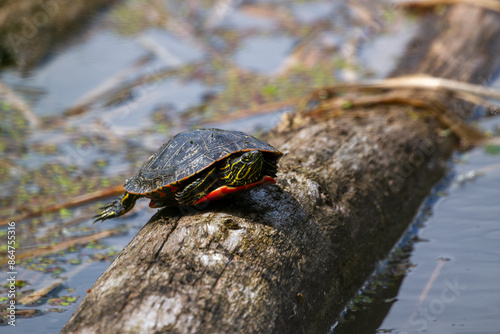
[(287, 258)]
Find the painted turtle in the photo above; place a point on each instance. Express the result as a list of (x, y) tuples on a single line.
[(196, 166)]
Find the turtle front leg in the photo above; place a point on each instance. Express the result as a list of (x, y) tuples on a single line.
[(198, 188), (117, 207)]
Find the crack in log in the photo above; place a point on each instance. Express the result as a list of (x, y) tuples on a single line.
[(207, 312), (157, 253)]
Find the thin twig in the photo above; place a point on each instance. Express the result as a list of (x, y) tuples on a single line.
[(417, 81), (159, 50), (469, 92), (19, 104), (62, 245), (270, 12), (150, 77), (259, 110), (79, 200), (488, 4), (22, 313), (430, 282), (40, 293), (106, 86), (433, 83)]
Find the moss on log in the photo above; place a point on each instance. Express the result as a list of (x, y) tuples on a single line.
[(286, 258)]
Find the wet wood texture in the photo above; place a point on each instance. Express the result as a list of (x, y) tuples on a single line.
[(287, 258)]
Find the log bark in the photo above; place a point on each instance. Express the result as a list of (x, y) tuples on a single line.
[(287, 258)]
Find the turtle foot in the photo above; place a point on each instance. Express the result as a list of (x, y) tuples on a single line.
[(117, 207), (111, 210)]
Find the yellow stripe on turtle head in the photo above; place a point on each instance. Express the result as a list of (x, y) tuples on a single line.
[(124, 198)]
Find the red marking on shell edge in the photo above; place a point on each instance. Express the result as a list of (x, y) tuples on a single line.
[(174, 189), (225, 190), (152, 204), (160, 194)]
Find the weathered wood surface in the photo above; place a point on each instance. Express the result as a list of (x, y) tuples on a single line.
[(286, 258)]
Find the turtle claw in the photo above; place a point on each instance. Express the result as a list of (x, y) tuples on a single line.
[(102, 217), (117, 207), (110, 210)]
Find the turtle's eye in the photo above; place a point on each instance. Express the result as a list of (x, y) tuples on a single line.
[(247, 157)]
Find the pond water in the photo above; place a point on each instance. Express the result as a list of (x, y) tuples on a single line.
[(110, 95)]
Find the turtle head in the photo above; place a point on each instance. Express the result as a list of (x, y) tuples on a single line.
[(117, 207), (243, 170)]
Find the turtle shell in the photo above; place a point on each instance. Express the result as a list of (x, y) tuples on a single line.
[(190, 153)]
